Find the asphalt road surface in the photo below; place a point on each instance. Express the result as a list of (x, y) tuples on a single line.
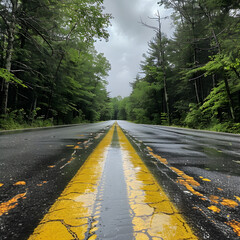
[(200, 170), (35, 167), (196, 173)]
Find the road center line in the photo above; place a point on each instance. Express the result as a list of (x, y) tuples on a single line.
[(113, 196), (71, 216), (153, 214), (115, 222)]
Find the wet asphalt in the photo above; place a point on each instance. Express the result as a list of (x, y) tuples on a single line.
[(36, 165), (211, 160), (115, 222)]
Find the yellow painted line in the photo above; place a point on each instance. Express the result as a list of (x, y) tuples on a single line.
[(214, 209), (235, 225), (75, 214), (206, 180), (238, 198), (70, 217), (229, 203), (19, 183), (5, 207), (153, 214), (191, 184), (52, 166)]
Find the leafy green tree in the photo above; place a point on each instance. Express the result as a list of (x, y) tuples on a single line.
[(48, 47)]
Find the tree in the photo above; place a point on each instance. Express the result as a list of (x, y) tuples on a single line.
[(44, 23), (158, 52)]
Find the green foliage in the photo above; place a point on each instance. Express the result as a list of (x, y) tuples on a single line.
[(226, 127), (194, 117), (164, 118), (213, 113), (18, 119), (217, 64), (9, 77), (214, 102), (202, 69), (54, 55)]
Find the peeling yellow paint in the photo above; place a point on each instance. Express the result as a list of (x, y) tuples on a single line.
[(206, 180), (69, 145), (70, 215), (153, 214), (220, 189), (189, 187), (229, 203), (188, 181), (41, 184), (162, 160), (1, 184), (214, 199), (52, 166), (19, 183), (149, 149), (75, 214), (71, 159), (235, 225), (5, 207), (238, 198), (214, 209), (187, 178)]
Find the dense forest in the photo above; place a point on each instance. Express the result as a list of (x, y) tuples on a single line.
[(192, 78), (50, 72)]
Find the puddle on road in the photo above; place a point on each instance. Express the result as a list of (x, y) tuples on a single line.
[(113, 196)]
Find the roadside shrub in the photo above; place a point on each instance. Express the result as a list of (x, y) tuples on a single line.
[(194, 117)]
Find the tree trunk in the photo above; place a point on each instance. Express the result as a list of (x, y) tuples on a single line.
[(195, 62), (53, 86), (230, 100), (11, 26), (163, 68), (4, 98), (196, 92)]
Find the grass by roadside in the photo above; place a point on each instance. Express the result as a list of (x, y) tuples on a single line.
[(18, 119), (227, 127), (11, 124), (221, 127)]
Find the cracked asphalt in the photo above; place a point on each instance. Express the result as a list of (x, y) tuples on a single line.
[(113, 196), (200, 172), (119, 181), (35, 167)]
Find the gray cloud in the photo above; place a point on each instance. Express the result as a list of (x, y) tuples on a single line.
[(128, 40)]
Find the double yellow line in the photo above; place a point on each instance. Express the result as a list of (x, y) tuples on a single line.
[(75, 214)]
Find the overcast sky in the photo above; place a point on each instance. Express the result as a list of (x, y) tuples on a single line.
[(128, 40)]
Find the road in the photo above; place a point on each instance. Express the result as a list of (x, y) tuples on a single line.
[(187, 188), (200, 171), (35, 167)]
